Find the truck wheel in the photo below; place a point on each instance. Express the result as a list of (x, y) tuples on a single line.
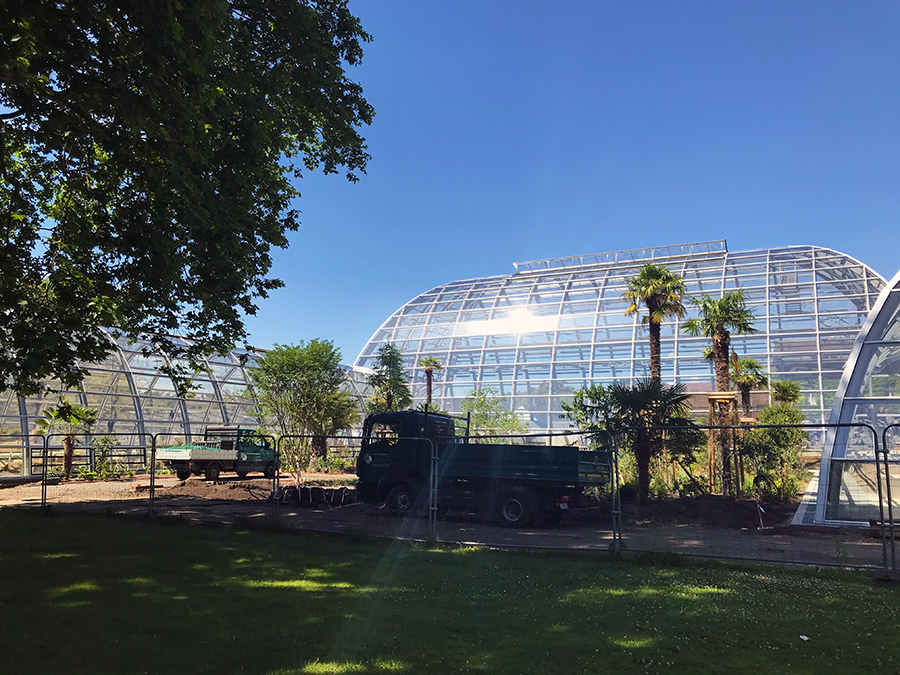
[(399, 500), (183, 473), (212, 471), (269, 471), (513, 510)]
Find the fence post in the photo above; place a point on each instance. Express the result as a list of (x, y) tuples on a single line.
[(276, 497), (432, 493), (617, 497), (887, 485), (44, 475), (152, 474)]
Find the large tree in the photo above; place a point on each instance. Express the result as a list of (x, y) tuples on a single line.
[(147, 153), (298, 389), (660, 292), (638, 409), (390, 381), (717, 319), (634, 414)]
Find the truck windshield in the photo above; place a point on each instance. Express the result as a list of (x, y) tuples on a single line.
[(385, 433)]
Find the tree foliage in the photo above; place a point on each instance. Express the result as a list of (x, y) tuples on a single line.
[(633, 413), (593, 411), (775, 452), (146, 157), (298, 389), (390, 381), (747, 373), (785, 391), (660, 291), (490, 416), (717, 319)]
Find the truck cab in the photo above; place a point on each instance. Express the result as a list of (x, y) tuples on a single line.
[(393, 447)]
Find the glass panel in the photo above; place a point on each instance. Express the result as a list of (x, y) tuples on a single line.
[(888, 323), (793, 324), (881, 368), (792, 291), (533, 372), (611, 370), (786, 363), (613, 333), (499, 356), (612, 351), (845, 304), (465, 358), (574, 353), (841, 320)]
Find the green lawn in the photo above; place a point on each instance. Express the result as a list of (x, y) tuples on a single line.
[(98, 594)]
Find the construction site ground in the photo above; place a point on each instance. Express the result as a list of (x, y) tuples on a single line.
[(709, 526)]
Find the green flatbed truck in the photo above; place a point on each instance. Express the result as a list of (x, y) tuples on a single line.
[(225, 448), (513, 482)]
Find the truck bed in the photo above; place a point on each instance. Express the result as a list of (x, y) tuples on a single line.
[(524, 462), (191, 452)]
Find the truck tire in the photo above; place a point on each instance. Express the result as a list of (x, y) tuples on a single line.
[(399, 500), (512, 509), (269, 471), (212, 471), (183, 473)]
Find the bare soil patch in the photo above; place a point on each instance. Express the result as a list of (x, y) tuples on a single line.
[(713, 511)]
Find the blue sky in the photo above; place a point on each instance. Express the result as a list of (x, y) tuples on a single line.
[(509, 130)]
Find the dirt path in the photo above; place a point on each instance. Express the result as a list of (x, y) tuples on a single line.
[(710, 526)]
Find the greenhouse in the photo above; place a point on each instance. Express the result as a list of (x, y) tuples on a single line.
[(554, 326), (135, 401), (869, 394)]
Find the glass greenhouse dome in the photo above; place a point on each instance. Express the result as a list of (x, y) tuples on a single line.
[(135, 400), (554, 326), (869, 393)]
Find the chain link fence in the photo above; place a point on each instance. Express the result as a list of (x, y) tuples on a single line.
[(499, 510)]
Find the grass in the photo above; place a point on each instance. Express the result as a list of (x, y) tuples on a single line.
[(100, 594)]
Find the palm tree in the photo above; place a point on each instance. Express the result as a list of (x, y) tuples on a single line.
[(430, 364), (747, 374), (718, 317), (389, 381), (785, 392), (69, 419), (660, 291), (640, 407)]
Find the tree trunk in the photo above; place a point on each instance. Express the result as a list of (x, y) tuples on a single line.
[(721, 353), (429, 377), (745, 400), (724, 437), (68, 455), (655, 361), (721, 343), (319, 451), (642, 455)]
